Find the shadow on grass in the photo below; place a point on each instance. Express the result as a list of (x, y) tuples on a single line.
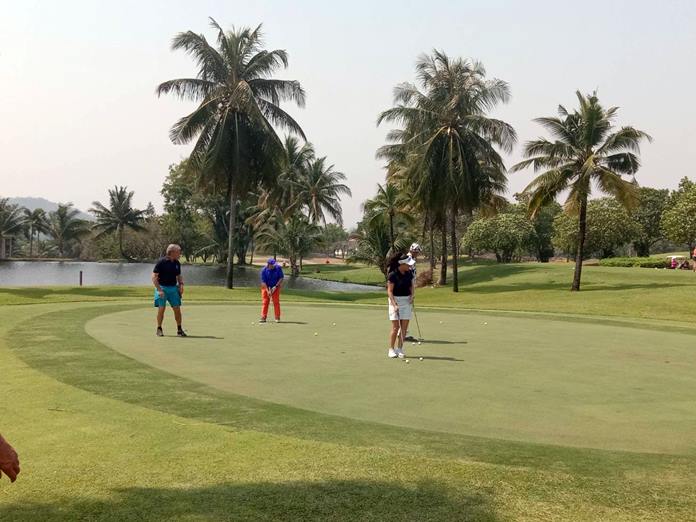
[(436, 358), (439, 341), (292, 501)]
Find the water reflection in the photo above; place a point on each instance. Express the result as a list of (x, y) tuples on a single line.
[(46, 273)]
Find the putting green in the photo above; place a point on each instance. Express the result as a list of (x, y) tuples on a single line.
[(518, 377)]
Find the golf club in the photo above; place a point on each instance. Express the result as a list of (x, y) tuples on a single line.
[(420, 335)]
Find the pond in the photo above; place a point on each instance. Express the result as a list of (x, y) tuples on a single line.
[(49, 273)]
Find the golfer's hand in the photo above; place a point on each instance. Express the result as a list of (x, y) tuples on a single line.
[(160, 293), (410, 299), (9, 461), (181, 290)]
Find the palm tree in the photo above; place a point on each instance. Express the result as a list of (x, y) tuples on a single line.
[(320, 191), (11, 218), (586, 150), (65, 228), (389, 205), (118, 216), (238, 99), (449, 138), (295, 238), (279, 201), (35, 221), (374, 245), (11, 221)]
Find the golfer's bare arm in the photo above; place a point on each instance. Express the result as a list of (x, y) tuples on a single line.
[(390, 294), (155, 281), (9, 461), (180, 280)]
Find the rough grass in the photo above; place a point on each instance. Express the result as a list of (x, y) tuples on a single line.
[(103, 437)]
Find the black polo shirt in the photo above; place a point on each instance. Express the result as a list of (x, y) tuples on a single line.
[(167, 270), (402, 282)]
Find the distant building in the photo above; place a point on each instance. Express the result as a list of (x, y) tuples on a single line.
[(6, 247)]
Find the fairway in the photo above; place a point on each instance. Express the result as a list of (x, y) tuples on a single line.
[(522, 377)]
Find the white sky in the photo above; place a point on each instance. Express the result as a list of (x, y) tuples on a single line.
[(78, 112)]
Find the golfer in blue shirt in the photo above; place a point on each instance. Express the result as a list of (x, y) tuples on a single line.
[(271, 281)]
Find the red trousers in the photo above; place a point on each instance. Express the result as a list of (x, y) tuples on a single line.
[(266, 300)]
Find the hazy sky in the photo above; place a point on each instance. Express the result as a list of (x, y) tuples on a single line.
[(78, 112)]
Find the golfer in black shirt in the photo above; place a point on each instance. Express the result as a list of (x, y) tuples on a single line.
[(169, 288), (400, 293)]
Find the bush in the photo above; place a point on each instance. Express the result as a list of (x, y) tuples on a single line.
[(642, 262)]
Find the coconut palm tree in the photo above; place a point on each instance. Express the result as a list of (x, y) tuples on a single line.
[(118, 216), (65, 228), (279, 201), (389, 205), (294, 238), (449, 138), (36, 223), (11, 218), (320, 191), (586, 150), (232, 128)]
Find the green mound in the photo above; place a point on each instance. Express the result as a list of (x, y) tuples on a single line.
[(518, 377)]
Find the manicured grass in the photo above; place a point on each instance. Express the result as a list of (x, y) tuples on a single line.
[(348, 273), (103, 436)]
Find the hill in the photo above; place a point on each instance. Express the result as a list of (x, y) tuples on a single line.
[(33, 203)]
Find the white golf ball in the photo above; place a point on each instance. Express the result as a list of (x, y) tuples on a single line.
[(407, 361), (485, 323), (334, 324), (419, 342), (316, 333), (414, 344), (421, 358), (441, 322)]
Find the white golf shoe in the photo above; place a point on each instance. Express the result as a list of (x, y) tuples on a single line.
[(400, 353), (391, 353)]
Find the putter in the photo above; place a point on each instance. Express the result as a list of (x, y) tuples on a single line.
[(420, 335)]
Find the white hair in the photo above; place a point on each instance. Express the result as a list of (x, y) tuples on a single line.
[(173, 247)]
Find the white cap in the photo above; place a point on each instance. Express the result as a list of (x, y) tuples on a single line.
[(407, 261), (415, 247)]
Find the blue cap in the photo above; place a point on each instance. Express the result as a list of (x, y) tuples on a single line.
[(271, 261)]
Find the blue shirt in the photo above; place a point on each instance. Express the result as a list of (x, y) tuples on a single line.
[(271, 276)]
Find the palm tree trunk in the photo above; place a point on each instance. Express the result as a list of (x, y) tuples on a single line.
[(120, 243), (455, 251), (31, 241), (582, 229), (391, 230), (233, 209), (443, 254), (432, 247)]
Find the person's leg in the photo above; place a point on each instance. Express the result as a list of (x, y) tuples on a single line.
[(276, 303), (265, 301), (160, 315), (177, 316), (403, 329), (394, 334)]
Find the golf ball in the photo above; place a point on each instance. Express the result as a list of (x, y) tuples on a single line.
[(413, 344), (421, 358), (419, 342), (334, 324), (485, 323), (316, 333), (441, 322), (407, 361)]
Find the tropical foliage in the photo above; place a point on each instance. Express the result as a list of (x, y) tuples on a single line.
[(586, 151), (235, 145), (118, 216)]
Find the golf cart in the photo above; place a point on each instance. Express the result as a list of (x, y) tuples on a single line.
[(678, 263)]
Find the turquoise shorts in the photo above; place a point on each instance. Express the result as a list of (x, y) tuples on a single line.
[(171, 295)]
